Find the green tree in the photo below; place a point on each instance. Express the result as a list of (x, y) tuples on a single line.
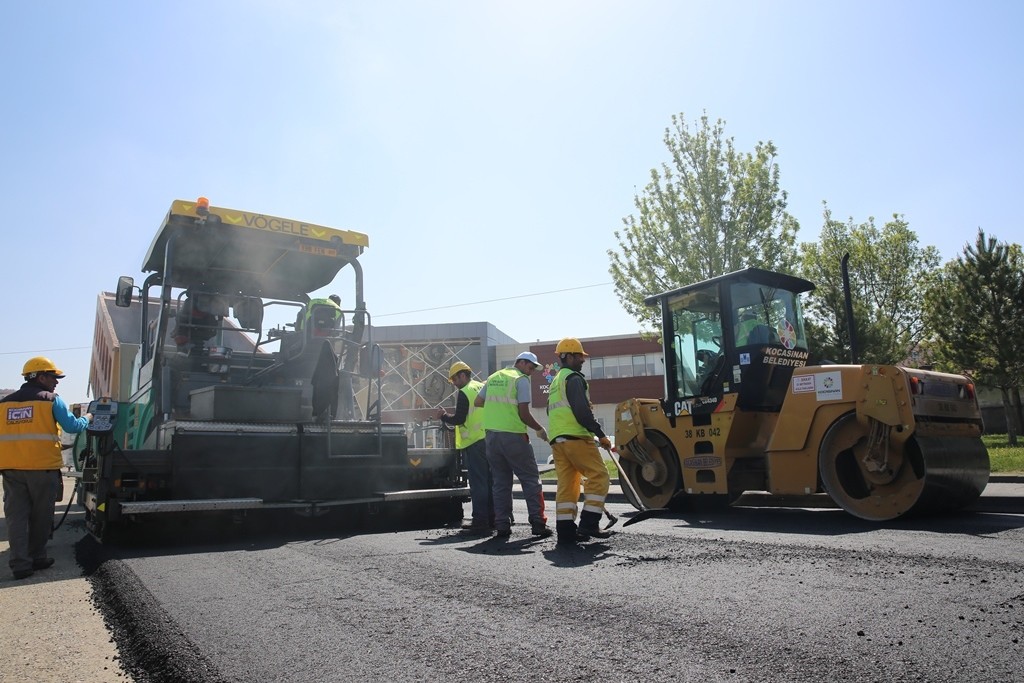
[(888, 270), (709, 211), (974, 311)]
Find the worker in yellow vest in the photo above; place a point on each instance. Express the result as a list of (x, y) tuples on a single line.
[(328, 316), (468, 421), (505, 399), (30, 461), (573, 429)]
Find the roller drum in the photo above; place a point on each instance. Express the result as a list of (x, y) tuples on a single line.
[(956, 472), (915, 475)]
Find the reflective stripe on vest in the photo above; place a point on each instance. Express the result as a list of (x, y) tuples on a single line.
[(29, 436), (472, 430), (561, 421), (501, 409)]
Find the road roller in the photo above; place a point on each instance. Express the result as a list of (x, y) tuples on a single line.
[(743, 411)]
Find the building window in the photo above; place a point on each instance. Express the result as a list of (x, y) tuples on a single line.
[(614, 367)]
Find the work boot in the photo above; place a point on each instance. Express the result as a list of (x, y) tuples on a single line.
[(540, 529), (20, 574), (42, 563), (477, 528), (590, 526), (566, 529)]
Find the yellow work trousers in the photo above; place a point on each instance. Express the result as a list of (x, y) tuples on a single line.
[(576, 459)]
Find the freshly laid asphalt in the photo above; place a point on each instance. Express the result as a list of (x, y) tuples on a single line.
[(60, 636)]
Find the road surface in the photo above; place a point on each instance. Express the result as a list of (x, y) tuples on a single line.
[(741, 595)]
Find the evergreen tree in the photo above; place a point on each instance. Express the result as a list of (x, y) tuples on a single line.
[(975, 313)]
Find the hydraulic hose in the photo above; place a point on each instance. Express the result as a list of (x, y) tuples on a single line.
[(74, 492)]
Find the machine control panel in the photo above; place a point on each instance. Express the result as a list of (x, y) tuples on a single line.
[(104, 415)]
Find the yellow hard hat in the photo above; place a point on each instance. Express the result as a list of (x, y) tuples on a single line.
[(458, 367), (570, 345), (40, 364)]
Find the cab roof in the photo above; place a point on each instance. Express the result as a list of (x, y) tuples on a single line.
[(250, 253), (757, 276)]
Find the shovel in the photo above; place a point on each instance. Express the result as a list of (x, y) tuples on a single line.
[(645, 512), (612, 519)]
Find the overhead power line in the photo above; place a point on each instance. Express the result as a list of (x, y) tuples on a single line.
[(383, 315), (490, 301), (67, 348)]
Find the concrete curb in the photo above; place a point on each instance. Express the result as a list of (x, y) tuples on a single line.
[(1004, 493)]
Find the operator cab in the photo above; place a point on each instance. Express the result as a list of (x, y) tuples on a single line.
[(740, 333)]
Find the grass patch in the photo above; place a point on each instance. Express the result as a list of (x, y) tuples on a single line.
[(1004, 457)]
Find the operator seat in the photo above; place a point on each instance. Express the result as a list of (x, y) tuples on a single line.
[(711, 384)]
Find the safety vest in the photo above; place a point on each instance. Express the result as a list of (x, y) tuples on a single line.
[(472, 430), (561, 421), (29, 436), (320, 302), (501, 411)]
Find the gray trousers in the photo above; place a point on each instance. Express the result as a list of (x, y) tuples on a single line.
[(29, 500), (508, 454), (480, 485)]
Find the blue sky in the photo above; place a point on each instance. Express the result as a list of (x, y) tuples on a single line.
[(488, 149)]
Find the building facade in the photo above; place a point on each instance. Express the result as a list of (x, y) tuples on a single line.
[(416, 359)]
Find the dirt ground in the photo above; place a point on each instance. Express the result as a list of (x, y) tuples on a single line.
[(49, 628)]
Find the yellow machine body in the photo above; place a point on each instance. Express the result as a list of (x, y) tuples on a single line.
[(881, 440)]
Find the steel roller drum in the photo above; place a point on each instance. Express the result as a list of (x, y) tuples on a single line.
[(922, 474)]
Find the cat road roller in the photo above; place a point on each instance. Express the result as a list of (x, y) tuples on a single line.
[(744, 412)]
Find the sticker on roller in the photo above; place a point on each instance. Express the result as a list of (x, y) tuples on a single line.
[(828, 386), (803, 384)]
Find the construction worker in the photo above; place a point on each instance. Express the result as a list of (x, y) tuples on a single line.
[(468, 421), (506, 402), (30, 462), (572, 430), (193, 326), (751, 330), (306, 314)]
